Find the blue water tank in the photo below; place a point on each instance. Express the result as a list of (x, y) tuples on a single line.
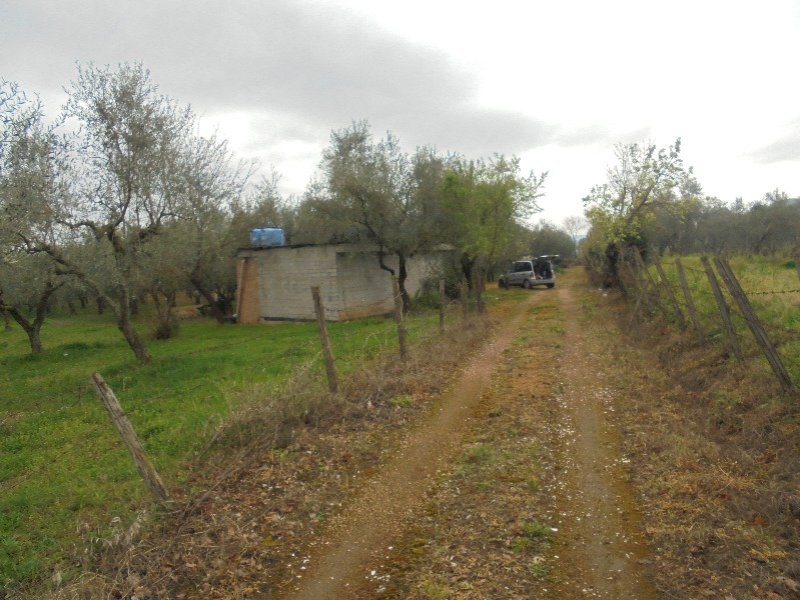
[(266, 237)]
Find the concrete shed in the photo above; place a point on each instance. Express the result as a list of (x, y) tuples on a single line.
[(275, 283)]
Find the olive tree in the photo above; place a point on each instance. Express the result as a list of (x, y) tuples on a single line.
[(125, 187), (485, 204), (197, 248), (27, 285), (29, 186), (374, 192), (644, 180)]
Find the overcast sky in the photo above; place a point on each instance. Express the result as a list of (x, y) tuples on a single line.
[(558, 83)]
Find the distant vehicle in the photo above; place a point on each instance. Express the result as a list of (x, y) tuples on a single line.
[(530, 273)]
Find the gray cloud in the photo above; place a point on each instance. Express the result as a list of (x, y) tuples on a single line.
[(784, 148), (314, 68)]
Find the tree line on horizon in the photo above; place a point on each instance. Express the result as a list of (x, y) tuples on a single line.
[(118, 200), (652, 201)]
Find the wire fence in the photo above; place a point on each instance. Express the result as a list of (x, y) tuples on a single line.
[(710, 299)]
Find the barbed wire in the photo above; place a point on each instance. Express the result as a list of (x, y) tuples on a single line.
[(797, 291)]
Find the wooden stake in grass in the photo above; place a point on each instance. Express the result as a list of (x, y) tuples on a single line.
[(477, 288), (753, 322), (120, 420), (442, 300), (398, 317), (638, 290), (687, 295), (668, 289), (724, 311), (327, 353), (464, 296), (637, 256)]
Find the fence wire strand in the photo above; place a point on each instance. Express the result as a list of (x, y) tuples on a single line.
[(649, 300)]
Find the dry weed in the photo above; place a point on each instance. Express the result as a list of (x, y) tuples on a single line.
[(716, 454), (280, 463)]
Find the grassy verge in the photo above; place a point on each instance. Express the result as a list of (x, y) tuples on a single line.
[(713, 444), (771, 284), (65, 476), (259, 500)]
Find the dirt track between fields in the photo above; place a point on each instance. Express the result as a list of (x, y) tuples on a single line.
[(596, 549), (519, 457), (358, 537), (601, 545)]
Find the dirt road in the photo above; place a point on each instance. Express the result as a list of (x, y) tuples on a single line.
[(513, 487), (600, 545), (493, 466), (359, 537)]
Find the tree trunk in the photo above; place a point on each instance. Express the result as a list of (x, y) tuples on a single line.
[(126, 327), (134, 341), (612, 276), (34, 337), (33, 328), (477, 287), (166, 321), (401, 277), (797, 263), (467, 264), (216, 312), (401, 282), (29, 328), (398, 317), (6, 320), (101, 305)]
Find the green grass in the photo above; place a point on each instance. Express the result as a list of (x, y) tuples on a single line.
[(771, 284), (63, 468)]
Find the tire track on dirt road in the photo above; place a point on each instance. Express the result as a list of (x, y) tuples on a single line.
[(600, 547), (361, 534)]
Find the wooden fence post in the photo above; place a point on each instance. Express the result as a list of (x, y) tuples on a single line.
[(797, 264), (638, 289), (464, 296), (634, 283), (753, 322), (442, 300), (643, 267), (687, 295), (477, 288), (327, 353), (668, 289), (398, 317), (724, 311), (120, 420)]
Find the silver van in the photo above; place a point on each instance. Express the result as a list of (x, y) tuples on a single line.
[(530, 273)]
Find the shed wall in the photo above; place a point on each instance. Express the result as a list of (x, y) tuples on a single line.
[(247, 308), (287, 274), (364, 288), (275, 283)]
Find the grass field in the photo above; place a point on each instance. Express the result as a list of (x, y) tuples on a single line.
[(64, 473), (65, 476)]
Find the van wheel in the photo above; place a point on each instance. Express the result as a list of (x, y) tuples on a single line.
[(527, 284), (551, 285)]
